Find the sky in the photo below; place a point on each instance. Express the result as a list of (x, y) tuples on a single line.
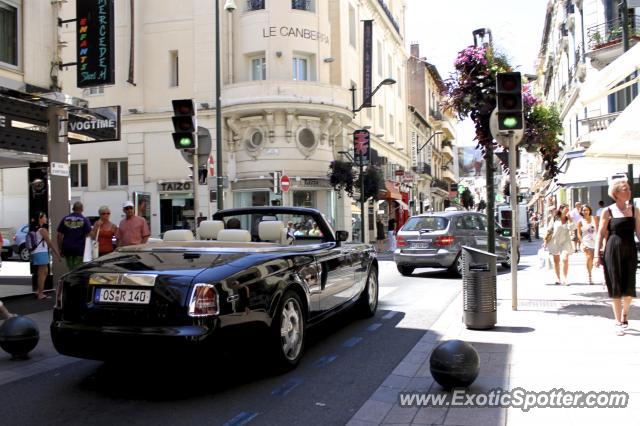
[(443, 28)]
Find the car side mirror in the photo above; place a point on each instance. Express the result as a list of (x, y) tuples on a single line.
[(342, 236)]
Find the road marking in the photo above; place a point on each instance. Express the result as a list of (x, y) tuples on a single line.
[(352, 342), (389, 315), (327, 359), (241, 419), (287, 387), (374, 326)]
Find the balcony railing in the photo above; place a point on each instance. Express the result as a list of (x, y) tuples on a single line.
[(438, 183), (610, 33), (599, 123), (255, 4), (422, 168), (301, 5), (389, 15), (436, 114)]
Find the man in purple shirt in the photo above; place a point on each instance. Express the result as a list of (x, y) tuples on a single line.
[(72, 233)]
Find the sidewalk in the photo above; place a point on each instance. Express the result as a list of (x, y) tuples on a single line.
[(560, 337)]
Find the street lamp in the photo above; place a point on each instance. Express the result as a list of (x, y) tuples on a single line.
[(385, 82), (229, 6)]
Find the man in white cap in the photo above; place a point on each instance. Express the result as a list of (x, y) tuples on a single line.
[(133, 229)]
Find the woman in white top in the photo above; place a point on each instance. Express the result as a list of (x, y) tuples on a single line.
[(587, 229), (558, 242), (40, 255)]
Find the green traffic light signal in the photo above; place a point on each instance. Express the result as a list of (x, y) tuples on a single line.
[(510, 122), (185, 142)]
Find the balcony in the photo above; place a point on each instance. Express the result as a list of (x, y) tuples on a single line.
[(448, 175), (302, 5), (605, 40), (591, 126), (440, 184), (422, 168), (447, 149), (255, 5), (435, 113)]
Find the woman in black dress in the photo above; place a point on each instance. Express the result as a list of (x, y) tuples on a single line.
[(619, 221)]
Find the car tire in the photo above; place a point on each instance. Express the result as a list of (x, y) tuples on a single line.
[(456, 267), (507, 264), (406, 270), (23, 253), (288, 332), (4, 255), (368, 302)]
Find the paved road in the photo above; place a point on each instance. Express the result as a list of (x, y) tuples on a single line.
[(345, 361)]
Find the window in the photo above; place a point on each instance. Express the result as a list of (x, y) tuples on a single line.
[(306, 138), (400, 140), (117, 173), (174, 68), (300, 68), (9, 33), (78, 175), (392, 126), (352, 26), (302, 5), (390, 66), (259, 68), (94, 91), (255, 4), (399, 82), (381, 116), (379, 58), (254, 140)]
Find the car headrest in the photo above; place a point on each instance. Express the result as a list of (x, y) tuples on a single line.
[(208, 229), (234, 235), (178, 235), (270, 231)]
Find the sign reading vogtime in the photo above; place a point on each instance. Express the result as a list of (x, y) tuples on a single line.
[(95, 43)]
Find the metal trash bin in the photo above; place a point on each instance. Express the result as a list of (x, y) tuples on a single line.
[(479, 288)]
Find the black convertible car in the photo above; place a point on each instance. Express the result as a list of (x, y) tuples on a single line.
[(277, 270)]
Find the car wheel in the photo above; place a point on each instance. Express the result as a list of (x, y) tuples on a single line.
[(507, 264), (456, 267), (406, 270), (24, 254), (288, 331), (4, 255), (368, 302)]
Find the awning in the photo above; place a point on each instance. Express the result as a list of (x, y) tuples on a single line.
[(601, 83), (402, 204), (622, 138), (588, 170), (391, 191)]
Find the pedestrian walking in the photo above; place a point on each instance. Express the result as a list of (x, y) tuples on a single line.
[(620, 259), (380, 237), (41, 245), (600, 208), (391, 232), (103, 231), (132, 229), (575, 218), (558, 242), (587, 230), (72, 236)]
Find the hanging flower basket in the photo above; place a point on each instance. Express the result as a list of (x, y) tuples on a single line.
[(341, 177), (373, 182)]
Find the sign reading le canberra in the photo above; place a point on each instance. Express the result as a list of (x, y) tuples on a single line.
[(285, 31)]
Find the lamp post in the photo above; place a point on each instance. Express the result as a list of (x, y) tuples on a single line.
[(385, 82), (229, 6)]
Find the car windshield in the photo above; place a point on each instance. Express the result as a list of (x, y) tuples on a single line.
[(299, 226), (432, 223)]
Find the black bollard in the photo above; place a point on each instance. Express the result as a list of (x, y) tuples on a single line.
[(18, 336), (454, 364)]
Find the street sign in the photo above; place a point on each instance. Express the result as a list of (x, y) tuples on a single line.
[(361, 147), (60, 169), (285, 183)]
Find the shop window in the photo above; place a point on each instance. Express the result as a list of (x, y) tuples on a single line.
[(10, 32), (258, 68), (304, 199), (78, 175), (117, 173)]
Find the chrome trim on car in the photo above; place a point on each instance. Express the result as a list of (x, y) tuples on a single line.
[(135, 280)]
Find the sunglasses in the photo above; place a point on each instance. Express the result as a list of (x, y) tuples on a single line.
[(105, 213), (127, 208)]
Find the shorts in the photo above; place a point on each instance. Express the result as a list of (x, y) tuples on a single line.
[(39, 259)]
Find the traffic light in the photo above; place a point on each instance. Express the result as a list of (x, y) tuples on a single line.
[(184, 124), (275, 176), (509, 101), (505, 221)]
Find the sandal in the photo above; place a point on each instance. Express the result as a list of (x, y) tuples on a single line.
[(43, 297), (625, 321), (619, 329)]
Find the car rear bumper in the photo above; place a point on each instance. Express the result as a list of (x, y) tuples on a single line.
[(112, 342), (439, 259)]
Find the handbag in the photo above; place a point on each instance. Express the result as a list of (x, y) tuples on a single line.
[(543, 258), (95, 246)]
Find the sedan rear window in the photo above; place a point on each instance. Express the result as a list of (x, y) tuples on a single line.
[(433, 223)]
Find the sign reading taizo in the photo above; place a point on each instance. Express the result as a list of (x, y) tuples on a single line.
[(95, 43)]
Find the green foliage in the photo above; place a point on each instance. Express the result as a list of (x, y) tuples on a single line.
[(373, 182), (341, 177)]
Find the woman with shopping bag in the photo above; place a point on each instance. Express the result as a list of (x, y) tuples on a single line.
[(102, 233), (558, 242)]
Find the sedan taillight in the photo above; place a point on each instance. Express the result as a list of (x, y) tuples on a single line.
[(204, 301), (401, 242), (59, 287), (444, 240)]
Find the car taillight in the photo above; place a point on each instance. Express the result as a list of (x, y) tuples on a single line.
[(204, 301), (13, 238), (444, 240), (59, 287), (401, 242)]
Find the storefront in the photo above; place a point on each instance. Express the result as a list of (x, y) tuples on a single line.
[(176, 205)]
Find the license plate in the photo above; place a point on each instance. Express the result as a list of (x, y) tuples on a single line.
[(420, 245), (122, 295)]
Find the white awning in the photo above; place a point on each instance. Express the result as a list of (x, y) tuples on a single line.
[(622, 138), (601, 83), (585, 170)]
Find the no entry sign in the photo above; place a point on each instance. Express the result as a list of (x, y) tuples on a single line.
[(285, 183)]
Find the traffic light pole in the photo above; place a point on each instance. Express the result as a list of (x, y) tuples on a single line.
[(362, 213), (219, 177), (196, 189), (491, 197), (515, 232)]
